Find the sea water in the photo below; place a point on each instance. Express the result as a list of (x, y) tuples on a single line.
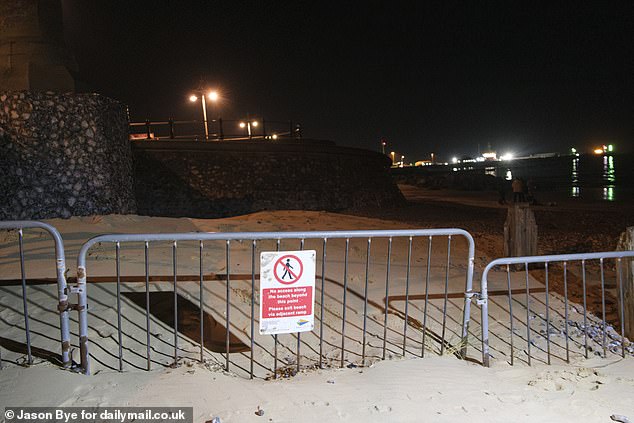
[(608, 178)]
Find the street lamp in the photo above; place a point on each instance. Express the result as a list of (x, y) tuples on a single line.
[(248, 125), (212, 96)]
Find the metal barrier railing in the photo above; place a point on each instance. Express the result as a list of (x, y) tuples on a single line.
[(564, 273), (219, 130), (62, 291), (322, 240)]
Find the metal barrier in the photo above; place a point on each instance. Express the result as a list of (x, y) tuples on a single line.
[(62, 292), (580, 286), (383, 239), (219, 130)]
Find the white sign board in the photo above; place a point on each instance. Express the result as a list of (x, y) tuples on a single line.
[(287, 291)]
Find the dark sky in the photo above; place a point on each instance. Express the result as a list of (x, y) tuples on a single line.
[(429, 76)]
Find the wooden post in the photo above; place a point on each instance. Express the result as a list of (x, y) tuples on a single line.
[(626, 243), (520, 231)]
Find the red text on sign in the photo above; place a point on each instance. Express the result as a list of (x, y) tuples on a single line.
[(287, 302)]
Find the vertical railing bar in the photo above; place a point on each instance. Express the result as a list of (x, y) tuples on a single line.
[(147, 303), (251, 359), (345, 291), (566, 310), (299, 342), (585, 313), (174, 263), (24, 302), (387, 293), (528, 314), (277, 248), (407, 273), (508, 283), (321, 313), (427, 276), (119, 334), (228, 310), (365, 301), (603, 326), (444, 308), (620, 275), (202, 312), (547, 314)]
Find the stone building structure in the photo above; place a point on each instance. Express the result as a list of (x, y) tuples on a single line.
[(63, 155), (32, 52)]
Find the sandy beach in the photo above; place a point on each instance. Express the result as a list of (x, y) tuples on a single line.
[(439, 387)]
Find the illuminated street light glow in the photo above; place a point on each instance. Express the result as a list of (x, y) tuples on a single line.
[(248, 125), (598, 151), (274, 136), (213, 95), (507, 156), (454, 160)]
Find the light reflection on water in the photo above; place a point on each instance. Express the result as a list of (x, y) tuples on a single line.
[(608, 178), (576, 191), (586, 177)]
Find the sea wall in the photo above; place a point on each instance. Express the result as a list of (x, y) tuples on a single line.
[(63, 155), (212, 179)]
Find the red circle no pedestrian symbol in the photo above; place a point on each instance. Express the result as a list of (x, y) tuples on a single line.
[(288, 269)]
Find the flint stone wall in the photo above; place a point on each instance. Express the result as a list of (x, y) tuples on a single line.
[(63, 155), (213, 179)]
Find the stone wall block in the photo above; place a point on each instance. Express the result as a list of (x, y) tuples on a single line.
[(221, 179), (63, 155)]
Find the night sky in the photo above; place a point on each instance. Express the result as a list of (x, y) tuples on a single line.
[(443, 77)]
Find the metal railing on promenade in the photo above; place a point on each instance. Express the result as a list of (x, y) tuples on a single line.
[(219, 130)]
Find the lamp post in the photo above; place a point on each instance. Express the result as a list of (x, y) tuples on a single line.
[(212, 96), (248, 124)]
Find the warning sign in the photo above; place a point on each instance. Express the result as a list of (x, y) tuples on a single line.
[(287, 291)]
